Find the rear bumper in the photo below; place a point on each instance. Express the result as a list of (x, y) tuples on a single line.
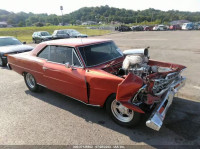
[(155, 121)]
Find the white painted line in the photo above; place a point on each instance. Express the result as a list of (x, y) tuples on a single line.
[(150, 39), (197, 87)]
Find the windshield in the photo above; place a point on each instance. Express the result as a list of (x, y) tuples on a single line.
[(45, 34), (73, 32), (189, 25), (61, 32), (9, 41), (100, 53)]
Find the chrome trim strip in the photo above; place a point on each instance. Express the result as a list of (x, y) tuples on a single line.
[(41, 85)]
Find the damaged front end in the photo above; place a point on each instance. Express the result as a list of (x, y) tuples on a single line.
[(148, 86)]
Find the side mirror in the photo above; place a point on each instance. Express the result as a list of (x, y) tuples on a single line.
[(67, 65), (24, 42)]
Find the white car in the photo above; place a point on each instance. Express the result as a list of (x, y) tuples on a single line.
[(187, 26), (160, 28)]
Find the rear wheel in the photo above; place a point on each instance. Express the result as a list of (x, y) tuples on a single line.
[(2, 63), (120, 114), (31, 82)]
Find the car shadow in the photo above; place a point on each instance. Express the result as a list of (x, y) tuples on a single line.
[(4, 68), (181, 125)]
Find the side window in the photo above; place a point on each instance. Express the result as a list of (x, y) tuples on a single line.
[(45, 53), (60, 54), (75, 60)]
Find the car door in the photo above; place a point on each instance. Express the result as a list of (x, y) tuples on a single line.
[(37, 37), (68, 81)]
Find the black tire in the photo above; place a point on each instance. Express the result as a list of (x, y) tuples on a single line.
[(2, 63), (31, 83), (133, 120)]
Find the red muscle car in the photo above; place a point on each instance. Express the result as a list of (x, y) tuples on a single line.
[(96, 72)]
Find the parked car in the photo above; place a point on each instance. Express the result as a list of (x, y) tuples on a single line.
[(123, 28), (148, 28), (97, 73), (196, 26), (41, 36), (175, 27), (188, 26), (11, 45), (60, 34), (160, 28), (74, 33), (137, 28)]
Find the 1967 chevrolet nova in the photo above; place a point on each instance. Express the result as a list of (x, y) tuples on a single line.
[(96, 72)]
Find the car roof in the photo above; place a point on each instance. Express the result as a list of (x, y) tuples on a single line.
[(69, 30), (40, 31), (75, 42), (6, 37)]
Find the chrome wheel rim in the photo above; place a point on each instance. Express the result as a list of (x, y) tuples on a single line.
[(1, 62), (120, 112), (30, 80)]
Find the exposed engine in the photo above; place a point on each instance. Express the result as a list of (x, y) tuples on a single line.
[(136, 61)]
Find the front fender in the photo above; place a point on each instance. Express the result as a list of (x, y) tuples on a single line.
[(127, 89)]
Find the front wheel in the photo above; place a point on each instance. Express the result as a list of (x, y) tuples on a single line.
[(120, 114), (31, 82)]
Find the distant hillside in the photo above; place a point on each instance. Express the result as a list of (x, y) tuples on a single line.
[(107, 14), (104, 14), (4, 12)]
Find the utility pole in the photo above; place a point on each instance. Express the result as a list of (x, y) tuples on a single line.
[(152, 17), (61, 9)]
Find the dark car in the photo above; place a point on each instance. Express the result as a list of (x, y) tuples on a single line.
[(122, 28), (196, 26), (41, 36), (10, 45), (137, 28), (74, 33), (60, 34)]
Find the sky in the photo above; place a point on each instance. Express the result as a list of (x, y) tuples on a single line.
[(53, 6)]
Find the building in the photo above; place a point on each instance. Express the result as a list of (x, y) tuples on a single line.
[(89, 23), (179, 22), (3, 24)]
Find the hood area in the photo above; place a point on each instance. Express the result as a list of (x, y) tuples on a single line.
[(138, 70), (15, 48)]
